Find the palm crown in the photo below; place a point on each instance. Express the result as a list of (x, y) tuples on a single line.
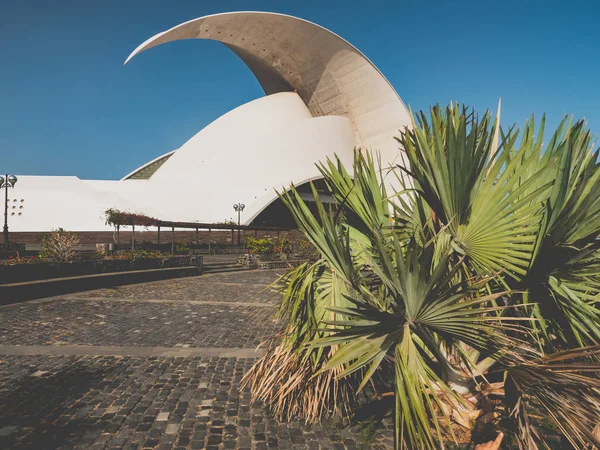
[(471, 292)]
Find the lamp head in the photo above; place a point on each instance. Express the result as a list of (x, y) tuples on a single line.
[(12, 180), (1, 181)]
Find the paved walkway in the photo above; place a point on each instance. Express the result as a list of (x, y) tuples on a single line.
[(154, 365)]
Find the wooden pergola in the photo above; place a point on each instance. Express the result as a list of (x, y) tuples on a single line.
[(123, 218), (214, 226)]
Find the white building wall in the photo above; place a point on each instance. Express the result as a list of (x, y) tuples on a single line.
[(325, 98), (60, 202), (243, 156)]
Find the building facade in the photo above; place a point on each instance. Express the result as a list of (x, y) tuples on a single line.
[(323, 98)]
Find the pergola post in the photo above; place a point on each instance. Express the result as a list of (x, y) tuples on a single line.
[(172, 240), (209, 241), (196, 235), (158, 240), (255, 234), (232, 237), (133, 237)]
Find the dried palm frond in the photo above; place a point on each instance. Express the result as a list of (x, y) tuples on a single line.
[(564, 388), (294, 387)]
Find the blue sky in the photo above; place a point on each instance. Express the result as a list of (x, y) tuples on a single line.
[(69, 107)]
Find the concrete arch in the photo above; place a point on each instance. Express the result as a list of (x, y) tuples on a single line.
[(331, 76), (276, 213), (153, 165)]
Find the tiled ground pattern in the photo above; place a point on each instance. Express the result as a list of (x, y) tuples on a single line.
[(221, 287), (117, 323), (133, 403), (106, 402), (222, 292)]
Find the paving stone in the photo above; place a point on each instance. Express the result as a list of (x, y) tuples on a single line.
[(33, 324), (217, 287), (5, 431), (172, 428), (163, 416), (87, 401)]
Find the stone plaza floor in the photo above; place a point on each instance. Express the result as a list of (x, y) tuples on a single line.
[(153, 365)]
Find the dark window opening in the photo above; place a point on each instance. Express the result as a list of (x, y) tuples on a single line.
[(277, 214)]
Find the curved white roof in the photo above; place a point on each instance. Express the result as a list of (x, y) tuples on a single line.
[(329, 74), (324, 97)]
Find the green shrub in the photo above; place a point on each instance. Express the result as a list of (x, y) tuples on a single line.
[(268, 246), (306, 249), (139, 254), (259, 246), (282, 245), (182, 249)]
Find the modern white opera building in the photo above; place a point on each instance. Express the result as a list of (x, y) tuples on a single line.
[(323, 97)]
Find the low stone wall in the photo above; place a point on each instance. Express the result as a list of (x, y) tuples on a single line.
[(197, 249), (43, 271), (151, 236), (29, 290)]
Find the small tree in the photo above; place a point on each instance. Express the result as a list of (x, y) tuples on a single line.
[(60, 245)]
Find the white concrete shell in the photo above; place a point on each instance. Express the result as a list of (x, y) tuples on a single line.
[(132, 174), (241, 157), (324, 97), (330, 75)]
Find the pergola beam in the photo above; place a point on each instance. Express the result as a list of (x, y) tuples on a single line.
[(219, 226)]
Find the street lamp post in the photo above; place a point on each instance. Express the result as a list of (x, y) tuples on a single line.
[(239, 207), (6, 182)]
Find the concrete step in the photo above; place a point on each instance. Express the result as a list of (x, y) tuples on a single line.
[(218, 260), (211, 269), (220, 265)]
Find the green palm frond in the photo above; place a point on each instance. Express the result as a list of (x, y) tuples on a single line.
[(488, 250), (574, 203), (474, 186), (564, 277), (425, 310), (363, 196)]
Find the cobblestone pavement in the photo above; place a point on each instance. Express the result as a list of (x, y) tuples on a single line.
[(142, 402), (222, 287), (107, 322)]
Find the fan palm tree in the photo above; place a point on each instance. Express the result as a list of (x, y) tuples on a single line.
[(471, 293)]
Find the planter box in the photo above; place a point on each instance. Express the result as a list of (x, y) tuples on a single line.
[(198, 249), (266, 262), (43, 271), (9, 249)]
